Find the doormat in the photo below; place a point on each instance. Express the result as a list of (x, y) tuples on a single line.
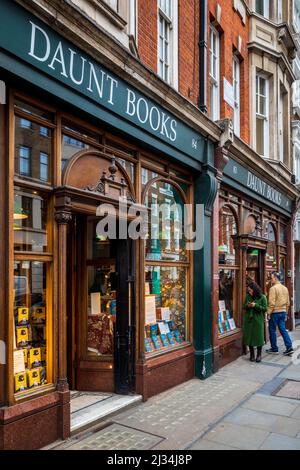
[(289, 389)]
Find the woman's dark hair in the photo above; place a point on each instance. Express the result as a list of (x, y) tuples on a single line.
[(257, 291)]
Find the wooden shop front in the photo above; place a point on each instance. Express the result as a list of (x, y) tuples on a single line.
[(83, 310), (254, 231)]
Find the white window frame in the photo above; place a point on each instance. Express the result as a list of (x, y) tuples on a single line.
[(236, 74), (266, 8), (132, 19), (280, 11), (214, 75), (297, 162), (170, 19), (266, 116), (113, 4)]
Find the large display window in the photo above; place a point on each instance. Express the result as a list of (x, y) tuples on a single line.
[(228, 272), (167, 268), (33, 260)]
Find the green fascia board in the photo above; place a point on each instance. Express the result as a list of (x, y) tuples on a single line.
[(34, 77), (34, 42), (241, 188)]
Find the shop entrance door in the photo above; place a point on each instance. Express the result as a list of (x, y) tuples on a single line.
[(255, 266), (101, 310)]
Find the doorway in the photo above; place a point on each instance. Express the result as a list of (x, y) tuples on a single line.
[(101, 310)]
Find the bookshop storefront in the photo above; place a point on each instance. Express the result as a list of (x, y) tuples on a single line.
[(255, 229), (83, 310)]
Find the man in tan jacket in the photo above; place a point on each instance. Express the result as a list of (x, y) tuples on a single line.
[(279, 302)]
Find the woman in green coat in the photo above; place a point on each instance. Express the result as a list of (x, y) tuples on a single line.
[(255, 305)]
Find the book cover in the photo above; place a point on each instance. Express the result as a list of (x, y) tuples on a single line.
[(39, 314), (34, 378), (148, 345), (22, 336), (156, 341), (23, 315), (177, 336), (170, 338), (154, 329), (221, 330), (164, 340), (20, 382), (34, 358)]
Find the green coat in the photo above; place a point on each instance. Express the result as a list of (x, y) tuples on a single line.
[(254, 321)]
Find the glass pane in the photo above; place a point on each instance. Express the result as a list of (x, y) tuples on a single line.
[(30, 218), (167, 213), (33, 110), (102, 292), (228, 295), (227, 229), (69, 147), (165, 307), (31, 315), (30, 142), (129, 167)]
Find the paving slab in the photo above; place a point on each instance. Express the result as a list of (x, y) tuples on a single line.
[(265, 421), (292, 372), (204, 444), (244, 369), (241, 437), (280, 442), (296, 413), (272, 405), (290, 389), (186, 412)]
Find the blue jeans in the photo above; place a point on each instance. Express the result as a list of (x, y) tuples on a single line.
[(279, 319)]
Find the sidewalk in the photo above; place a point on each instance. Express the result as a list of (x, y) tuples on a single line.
[(243, 406)]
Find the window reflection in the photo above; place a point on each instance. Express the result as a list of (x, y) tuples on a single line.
[(227, 229)]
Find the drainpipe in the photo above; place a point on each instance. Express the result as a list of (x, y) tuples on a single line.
[(203, 56)]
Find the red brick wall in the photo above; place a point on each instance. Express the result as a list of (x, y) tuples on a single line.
[(230, 27), (147, 32), (188, 50)]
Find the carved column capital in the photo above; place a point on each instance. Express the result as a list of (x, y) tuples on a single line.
[(221, 160), (63, 217)]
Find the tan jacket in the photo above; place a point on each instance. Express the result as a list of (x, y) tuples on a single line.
[(279, 299)]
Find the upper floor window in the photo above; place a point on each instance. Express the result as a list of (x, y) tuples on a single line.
[(237, 92), (296, 14), (168, 41), (24, 160), (214, 73), (297, 164), (263, 8), (113, 4), (262, 115)]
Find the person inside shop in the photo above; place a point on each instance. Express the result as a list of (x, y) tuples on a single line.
[(279, 302), (255, 305)]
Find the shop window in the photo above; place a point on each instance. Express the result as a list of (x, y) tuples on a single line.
[(165, 307), (33, 111), (30, 144), (167, 213), (166, 271), (283, 235), (69, 147), (271, 256), (31, 323), (228, 272), (227, 229), (102, 293), (128, 166), (30, 215)]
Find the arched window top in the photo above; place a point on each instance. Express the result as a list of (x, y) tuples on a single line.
[(227, 229), (166, 237), (271, 232)]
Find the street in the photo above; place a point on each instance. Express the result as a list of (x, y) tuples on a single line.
[(243, 406)]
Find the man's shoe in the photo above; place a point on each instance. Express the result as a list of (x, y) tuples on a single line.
[(288, 352), (271, 351)]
